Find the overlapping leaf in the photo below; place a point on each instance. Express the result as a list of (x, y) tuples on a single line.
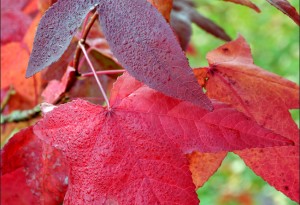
[(184, 14), (55, 32), (55, 88), (14, 21), (145, 45), (263, 96), (139, 37), (134, 153), (14, 71), (245, 3), (14, 190), (285, 7), (279, 166), (163, 6), (40, 170), (204, 165)]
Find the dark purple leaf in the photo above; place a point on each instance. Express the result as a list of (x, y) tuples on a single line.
[(146, 46), (55, 32), (139, 36)]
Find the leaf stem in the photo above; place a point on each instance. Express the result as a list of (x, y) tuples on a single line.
[(83, 38), (105, 72), (80, 43)]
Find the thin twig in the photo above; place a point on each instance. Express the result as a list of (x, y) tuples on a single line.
[(21, 115), (9, 93), (84, 36), (80, 43), (104, 72)]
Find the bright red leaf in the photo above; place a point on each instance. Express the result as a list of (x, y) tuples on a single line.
[(44, 169), (263, 96), (14, 189), (135, 152)]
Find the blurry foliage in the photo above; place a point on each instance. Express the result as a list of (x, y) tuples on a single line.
[(236, 184), (274, 40)]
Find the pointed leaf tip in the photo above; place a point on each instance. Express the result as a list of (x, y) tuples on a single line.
[(247, 3), (55, 31), (285, 7), (147, 48)]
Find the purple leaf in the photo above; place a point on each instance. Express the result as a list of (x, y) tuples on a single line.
[(55, 32), (139, 36), (146, 46)]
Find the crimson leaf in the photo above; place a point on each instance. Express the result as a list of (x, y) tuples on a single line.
[(135, 153), (40, 170)]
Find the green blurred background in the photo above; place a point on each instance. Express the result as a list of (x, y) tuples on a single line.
[(274, 41)]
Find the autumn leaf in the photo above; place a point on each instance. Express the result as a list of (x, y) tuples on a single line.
[(14, 22), (14, 190), (55, 89), (55, 31), (139, 37), (285, 7), (136, 151), (263, 96), (14, 71), (204, 165), (147, 54), (184, 14), (247, 3), (163, 6), (279, 166), (57, 70), (40, 170)]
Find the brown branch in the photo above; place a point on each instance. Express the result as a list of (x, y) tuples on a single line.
[(82, 40)]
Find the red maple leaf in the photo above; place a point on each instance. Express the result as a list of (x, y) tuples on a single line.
[(264, 97), (135, 153)]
